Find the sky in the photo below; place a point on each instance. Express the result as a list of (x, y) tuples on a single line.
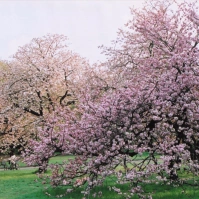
[(87, 23)]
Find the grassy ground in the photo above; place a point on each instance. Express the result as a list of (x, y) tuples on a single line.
[(24, 184), (19, 185)]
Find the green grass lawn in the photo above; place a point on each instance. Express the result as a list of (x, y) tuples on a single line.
[(60, 159), (24, 184), (21, 184)]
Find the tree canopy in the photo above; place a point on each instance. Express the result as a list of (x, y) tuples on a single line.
[(42, 76)]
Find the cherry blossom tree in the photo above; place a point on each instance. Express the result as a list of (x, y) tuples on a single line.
[(51, 138), (41, 77), (153, 107)]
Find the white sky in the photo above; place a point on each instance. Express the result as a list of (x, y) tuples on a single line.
[(87, 23)]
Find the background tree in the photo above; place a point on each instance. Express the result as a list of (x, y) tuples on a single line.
[(41, 77), (52, 138)]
